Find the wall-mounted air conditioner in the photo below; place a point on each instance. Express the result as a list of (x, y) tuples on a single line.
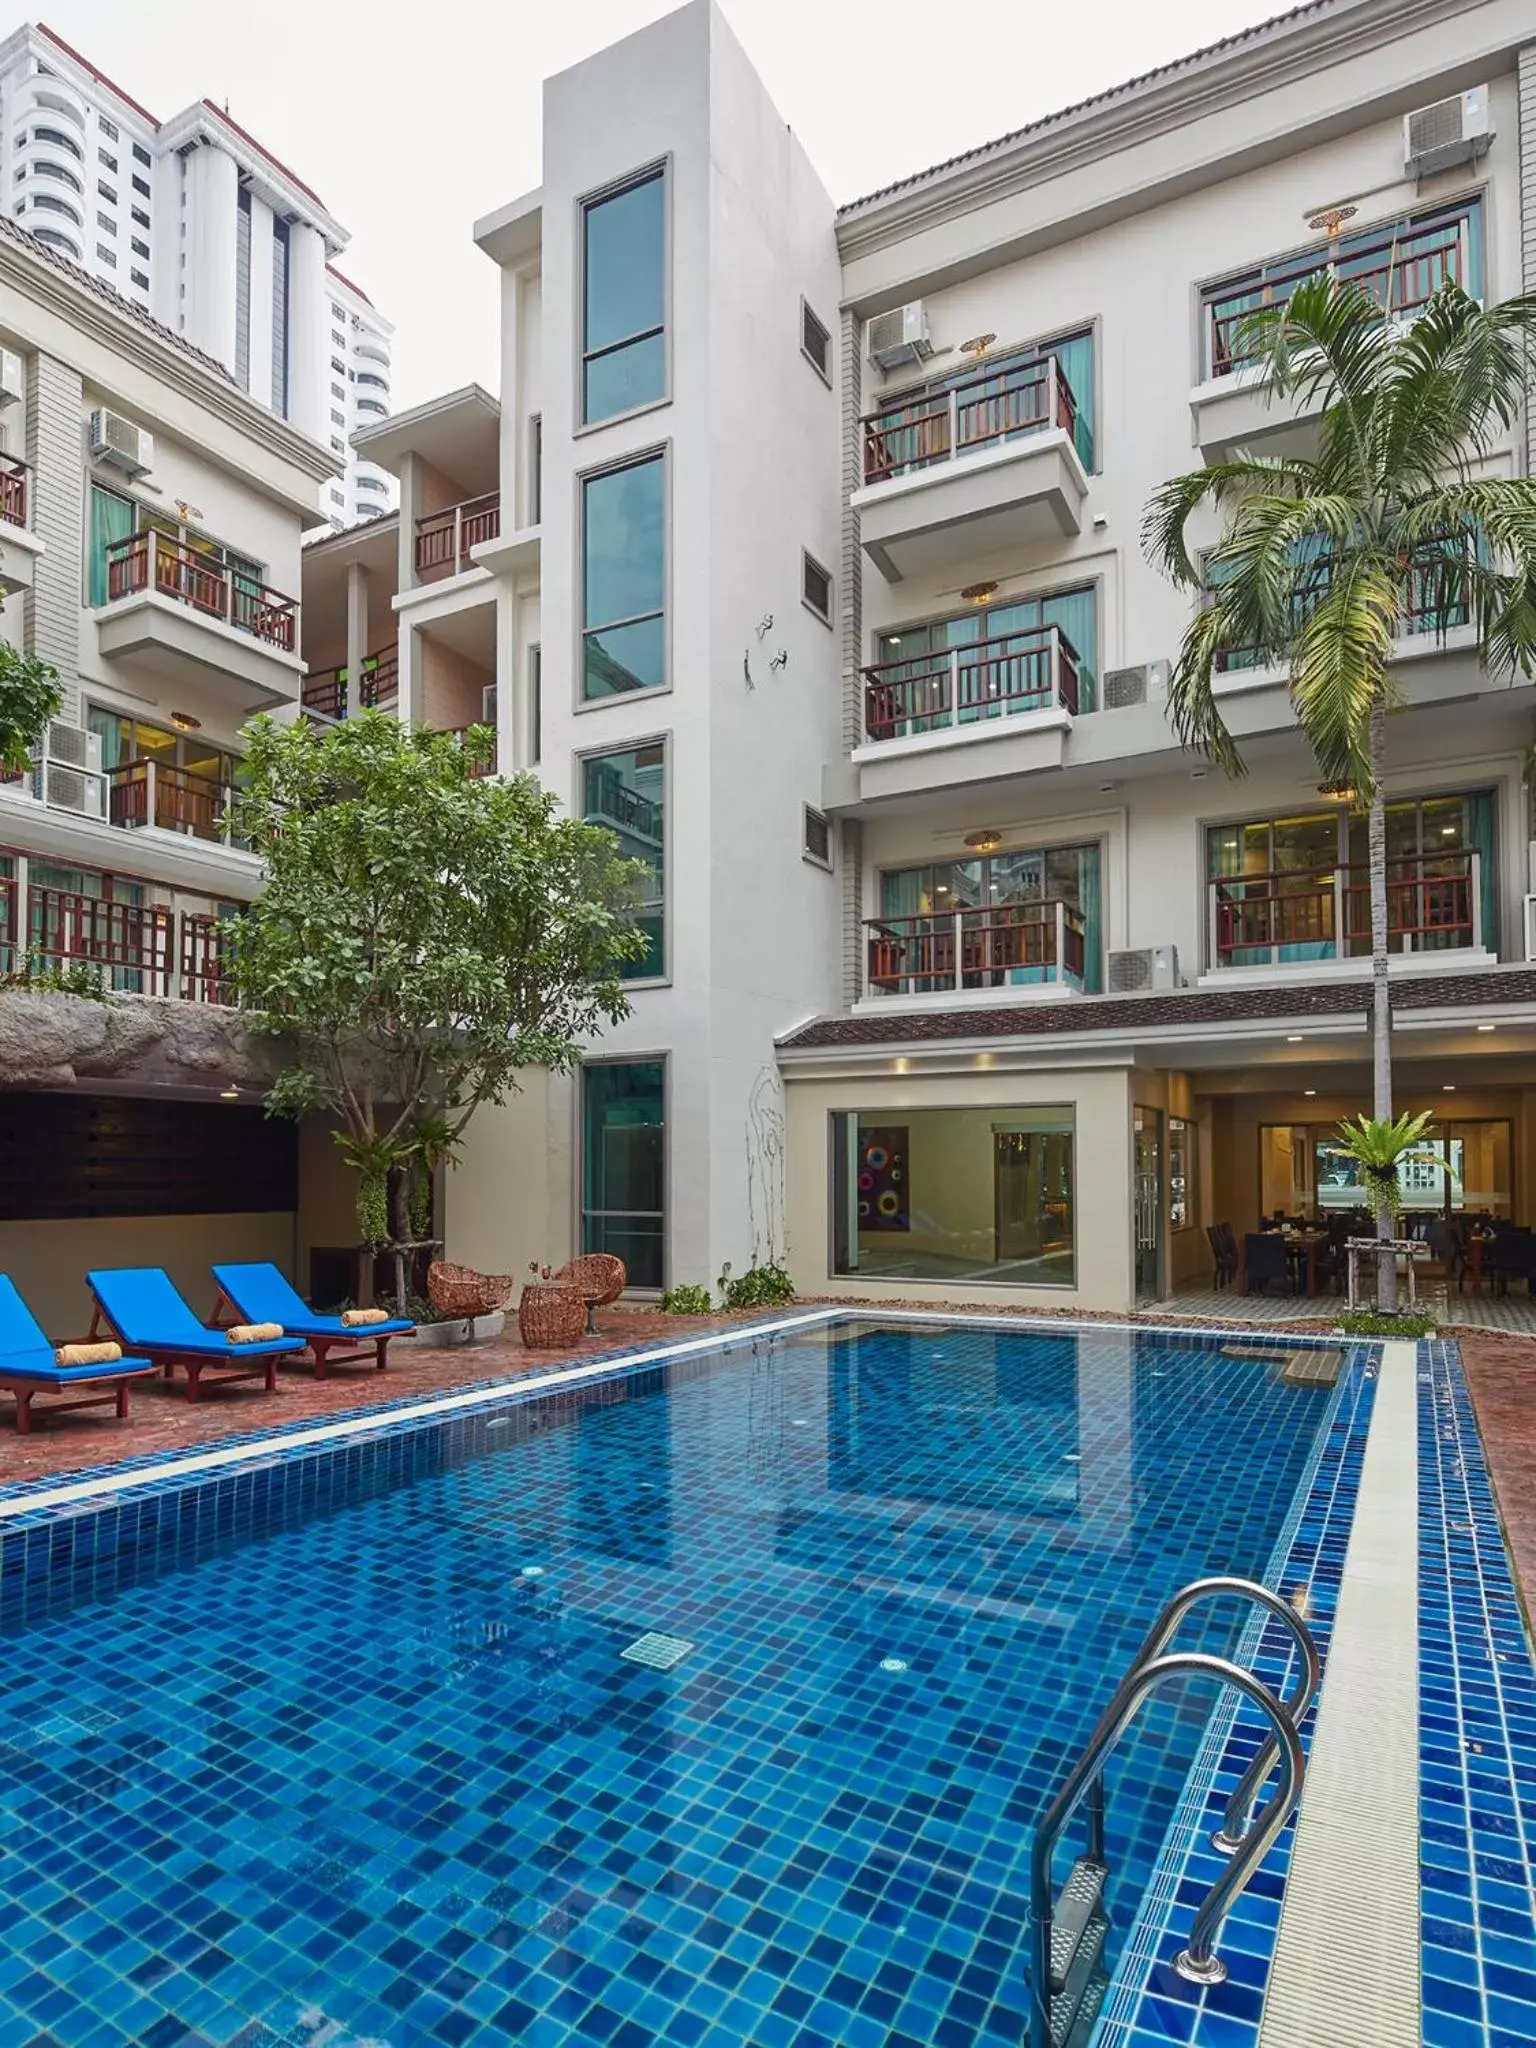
[(71, 746), (900, 336), (66, 789), (1448, 133), (1147, 684), (13, 378), (120, 442), (1146, 967)]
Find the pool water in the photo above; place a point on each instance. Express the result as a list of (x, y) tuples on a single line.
[(387, 1777)]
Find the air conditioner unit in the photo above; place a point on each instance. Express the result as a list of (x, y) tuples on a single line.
[(73, 747), (1451, 132), (488, 705), (900, 336), (1148, 967), (13, 378), (66, 789), (120, 442)]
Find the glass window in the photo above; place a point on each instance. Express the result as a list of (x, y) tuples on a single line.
[(1183, 1174), (139, 185), (956, 1194), (1004, 663), (997, 921), (141, 153), (624, 295), (535, 705), (623, 1164), (996, 398), (624, 579), (141, 216), (627, 792)]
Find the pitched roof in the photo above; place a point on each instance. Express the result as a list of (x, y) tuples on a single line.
[(1114, 92), (83, 279), (1187, 1007)]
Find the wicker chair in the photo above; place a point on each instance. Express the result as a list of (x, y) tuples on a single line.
[(598, 1277), (460, 1291)]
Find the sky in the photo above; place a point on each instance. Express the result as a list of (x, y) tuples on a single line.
[(412, 118)]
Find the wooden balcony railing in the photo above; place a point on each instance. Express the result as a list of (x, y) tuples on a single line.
[(1401, 271), (911, 434), (154, 561), (173, 799), (1029, 671), (1434, 903), (13, 490), (153, 948), (1437, 598), (971, 949), (461, 733), (326, 690), (444, 539)]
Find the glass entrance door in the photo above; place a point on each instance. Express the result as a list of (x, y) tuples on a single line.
[(1147, 1203)]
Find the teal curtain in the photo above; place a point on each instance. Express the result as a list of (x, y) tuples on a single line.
[(1091, 903), (1074, 359), (1480, 837), (902, 891), (1224, 859), (1077, 614), (112, 732), (112, 519)]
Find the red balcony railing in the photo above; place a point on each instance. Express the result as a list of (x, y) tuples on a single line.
[(461, 733), (1029, 671), (969, 949), (140, 947), (154, 561), (174, 799), (1401, 270), (911, 434), (444, 539), (1436, 594), (13, 490), (326, 690), (1434, 903)]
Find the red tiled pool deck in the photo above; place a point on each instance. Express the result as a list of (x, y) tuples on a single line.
[(1501, 1372)]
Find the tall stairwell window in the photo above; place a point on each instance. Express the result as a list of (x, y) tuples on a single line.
[(624, 297)]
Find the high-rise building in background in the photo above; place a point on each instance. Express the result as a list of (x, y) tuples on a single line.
[(193, 221)]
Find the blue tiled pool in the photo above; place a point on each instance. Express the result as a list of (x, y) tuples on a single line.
[(379, 1772)]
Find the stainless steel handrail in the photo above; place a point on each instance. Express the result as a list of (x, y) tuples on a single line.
[(1198, 1961)]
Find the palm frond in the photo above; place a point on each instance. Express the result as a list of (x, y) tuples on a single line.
[(1192, 707), (1339, 665), (1165, 523), (1453, 380), (1495, 576), (1324, 347)]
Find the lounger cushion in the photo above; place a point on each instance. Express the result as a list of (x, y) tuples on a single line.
[(260, 1291), (67, 1375), (148, 1313), (25, 1352)]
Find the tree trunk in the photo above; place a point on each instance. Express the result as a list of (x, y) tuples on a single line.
[(1381, 1007), (400, 1228)]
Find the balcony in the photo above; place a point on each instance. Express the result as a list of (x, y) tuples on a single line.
[(13, 490), (461, 734), (169, 947), (187, 616), (1009, 947), (964, 472), (445, 540), (326, 692), (18, 548), (1287, 919)]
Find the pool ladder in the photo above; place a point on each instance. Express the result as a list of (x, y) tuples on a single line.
[(1068, 1977)]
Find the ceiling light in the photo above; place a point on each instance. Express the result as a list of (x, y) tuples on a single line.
[(978, 593), (1337, 792), (987, 840), (1487, 1027), (1449, 1088), (1329, 219), (1449, 831), (1294, 1037), (1309, 1091), (229, 1094), (977, 345), (185, 722)]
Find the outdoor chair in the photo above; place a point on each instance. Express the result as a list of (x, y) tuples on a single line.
[(29, 1366), (598, 1277), (144, 1311), (259, 1293), (1223, 1254), (1266, 1257)]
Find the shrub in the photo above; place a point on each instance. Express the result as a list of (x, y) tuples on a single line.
[(758, 1287), (1366, 1322), (687, 1301)]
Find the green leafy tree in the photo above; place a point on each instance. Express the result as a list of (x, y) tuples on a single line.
[(1322, 559), (29, 697), (423, 934)]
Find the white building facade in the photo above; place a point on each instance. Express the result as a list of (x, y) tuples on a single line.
[(192, 220), (803, 547)]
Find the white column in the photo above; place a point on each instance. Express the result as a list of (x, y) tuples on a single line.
[(309, 328), (261, 301), (357, 634), (409, 707), (212, 189), (510, 743), (410, 505)]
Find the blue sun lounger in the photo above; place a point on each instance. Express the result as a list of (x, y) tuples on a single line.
[(144, 1311), (28, 1367), (260, 1294)]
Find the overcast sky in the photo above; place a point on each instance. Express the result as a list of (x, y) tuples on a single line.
[(413, 117)]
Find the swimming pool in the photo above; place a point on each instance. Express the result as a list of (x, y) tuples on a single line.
[(383, 1772)]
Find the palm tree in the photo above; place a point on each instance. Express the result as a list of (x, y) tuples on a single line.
[(1324, 560)]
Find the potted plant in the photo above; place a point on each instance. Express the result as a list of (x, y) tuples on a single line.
[(550, 1314)]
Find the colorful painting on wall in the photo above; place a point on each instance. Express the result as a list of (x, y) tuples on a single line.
[(885, 1189)]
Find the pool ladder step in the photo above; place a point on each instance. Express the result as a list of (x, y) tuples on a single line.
[(1068, 1976)]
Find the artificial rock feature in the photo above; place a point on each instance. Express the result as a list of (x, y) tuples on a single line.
[(49, 1040)]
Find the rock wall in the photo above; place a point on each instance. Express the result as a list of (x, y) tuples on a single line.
[(58, 1041)]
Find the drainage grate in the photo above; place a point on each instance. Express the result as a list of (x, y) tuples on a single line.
[(657, 1652)]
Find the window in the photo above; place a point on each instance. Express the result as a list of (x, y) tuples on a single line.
[(106, 255), (1014, 392), (140, 216), (817, 841), (535, 469), (949, 1194), (280, 317), (64, 176), (627, 792), (60, 141), (1292, 889), (535, 705), (1303, 1173), (338, 391), (141, 154), (139, 185), (372, 483), (815, 344), (623, 513), (999, 920), (108, 128), (55, 240), (985, 662), (338, 497), (338, 366), (623, 1164), (623, 298), (337, 313), (338, 419), (338, 340), (816, 588), (339, 446), (45, 202), (107, 223), (104, 158), (1183, 1174), (106, 191), (139, 248), (140, 279)]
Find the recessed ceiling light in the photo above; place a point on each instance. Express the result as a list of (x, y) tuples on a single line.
[(229, 1094), (1449, 1088), (1294, 1037), (1487, 1027), (1309, 1091)]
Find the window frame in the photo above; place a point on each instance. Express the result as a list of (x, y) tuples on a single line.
[(662, 739), (809, 564), (811, 859), (659, 452), (638, 1058), (659, 168), (808, 314)]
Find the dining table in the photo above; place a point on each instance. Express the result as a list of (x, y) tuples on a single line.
[(1302, 1245)]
